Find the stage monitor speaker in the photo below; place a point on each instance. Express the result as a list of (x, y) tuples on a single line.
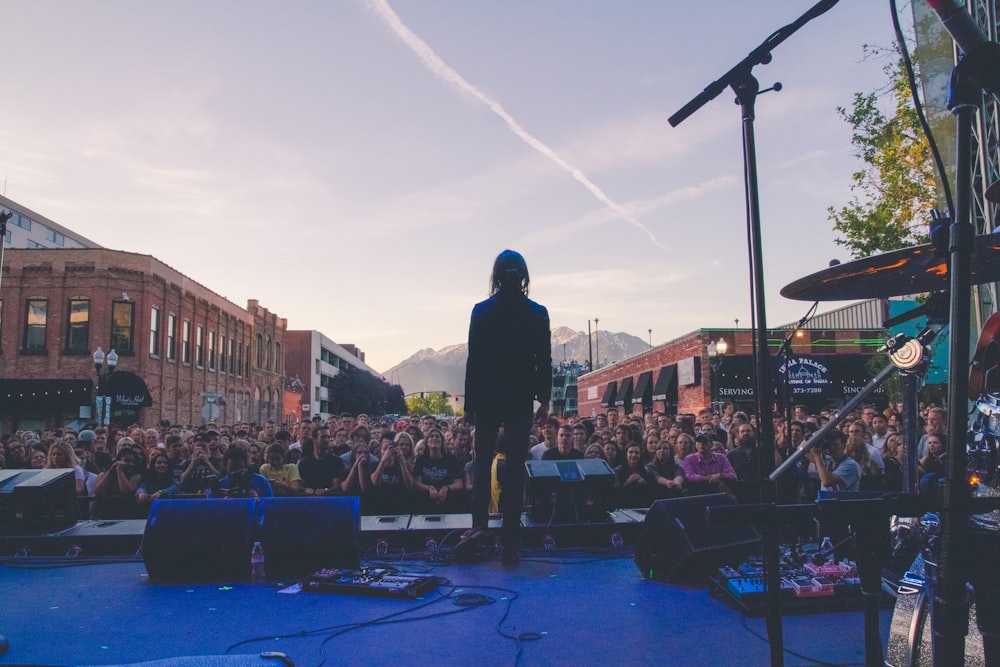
[(570, 491), (34, 501), (203, 540), (677, 541), (303, 535)]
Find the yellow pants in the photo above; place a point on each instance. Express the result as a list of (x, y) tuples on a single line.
[(495, 484)]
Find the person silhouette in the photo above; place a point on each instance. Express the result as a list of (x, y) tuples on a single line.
[(509, 367)]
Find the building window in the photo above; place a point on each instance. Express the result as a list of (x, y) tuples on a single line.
[(172, 337), (270, 354), (232, 355), (222, 354), (239, 362), (277, 357), (35, 321), (211, 350), (199, 347), (32, 245), (78, 327), (55, 237), (8, 237), (186, 343), (154, 332), (260, 351), (21, 221), (122, 327)]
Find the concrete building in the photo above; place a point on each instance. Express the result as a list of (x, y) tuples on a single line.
[(314, 360), (180, 345), (28, 229)]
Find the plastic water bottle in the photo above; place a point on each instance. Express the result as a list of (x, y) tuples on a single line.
[(826, 547), (257, 574)]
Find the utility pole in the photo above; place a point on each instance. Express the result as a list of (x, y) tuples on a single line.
[(597, 341)]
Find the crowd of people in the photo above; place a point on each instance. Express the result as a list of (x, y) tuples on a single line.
[(422, 464)]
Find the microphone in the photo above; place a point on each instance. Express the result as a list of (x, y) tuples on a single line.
[(959, 24)]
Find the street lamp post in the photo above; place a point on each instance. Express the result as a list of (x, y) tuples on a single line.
[(716, 350), (104, 366)]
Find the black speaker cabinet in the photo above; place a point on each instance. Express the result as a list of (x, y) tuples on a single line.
[(302, 535), (34, 501), (199, 540), (677, 541), (573, 491)]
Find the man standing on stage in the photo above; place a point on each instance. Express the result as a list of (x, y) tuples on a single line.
[(509, 367)]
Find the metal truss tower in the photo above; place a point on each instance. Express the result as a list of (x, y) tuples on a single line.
[(986, 170)]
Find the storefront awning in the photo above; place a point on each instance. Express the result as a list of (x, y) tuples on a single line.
[(128, 391), (624, 396), (609, 394), (665, 388), (644, 390)]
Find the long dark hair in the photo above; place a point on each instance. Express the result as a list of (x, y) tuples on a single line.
[(158, 481), (510, 274)]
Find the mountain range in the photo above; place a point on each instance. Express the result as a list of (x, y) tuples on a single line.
[(444, 369)]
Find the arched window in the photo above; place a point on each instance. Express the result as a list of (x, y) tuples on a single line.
[(260, 351), (277, 357), (270, 354)]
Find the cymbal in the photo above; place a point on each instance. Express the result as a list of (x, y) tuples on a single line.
[(906, 271)]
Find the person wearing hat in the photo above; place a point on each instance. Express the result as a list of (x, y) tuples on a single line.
[(85, 443), (707, 471)]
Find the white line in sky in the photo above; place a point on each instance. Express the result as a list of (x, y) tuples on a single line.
[(449, 76)]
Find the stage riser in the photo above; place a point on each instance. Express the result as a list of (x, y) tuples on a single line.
[(410, 532)]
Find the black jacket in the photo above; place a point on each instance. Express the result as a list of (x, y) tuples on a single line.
[(510, 353)]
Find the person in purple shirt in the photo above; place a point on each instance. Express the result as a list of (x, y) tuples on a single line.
[(707, 471)]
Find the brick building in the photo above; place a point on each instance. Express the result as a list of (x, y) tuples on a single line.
[(824, 369), (175, 337)]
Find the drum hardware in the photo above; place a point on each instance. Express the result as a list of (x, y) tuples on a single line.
[(911, 270)]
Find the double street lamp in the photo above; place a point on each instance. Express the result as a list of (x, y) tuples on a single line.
[(716, 350), (104, 367)]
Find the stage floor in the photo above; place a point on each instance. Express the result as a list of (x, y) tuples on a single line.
[(588, 608)]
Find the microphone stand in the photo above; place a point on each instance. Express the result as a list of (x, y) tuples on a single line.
[(741, 80), (923, 338)]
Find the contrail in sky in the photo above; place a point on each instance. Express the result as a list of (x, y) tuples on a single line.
[(448, 75)]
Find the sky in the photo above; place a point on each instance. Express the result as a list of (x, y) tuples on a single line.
[(357, 165)]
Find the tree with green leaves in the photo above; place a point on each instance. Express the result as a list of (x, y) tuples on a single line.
[(357, 391), (895, 191), (430, 403)]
